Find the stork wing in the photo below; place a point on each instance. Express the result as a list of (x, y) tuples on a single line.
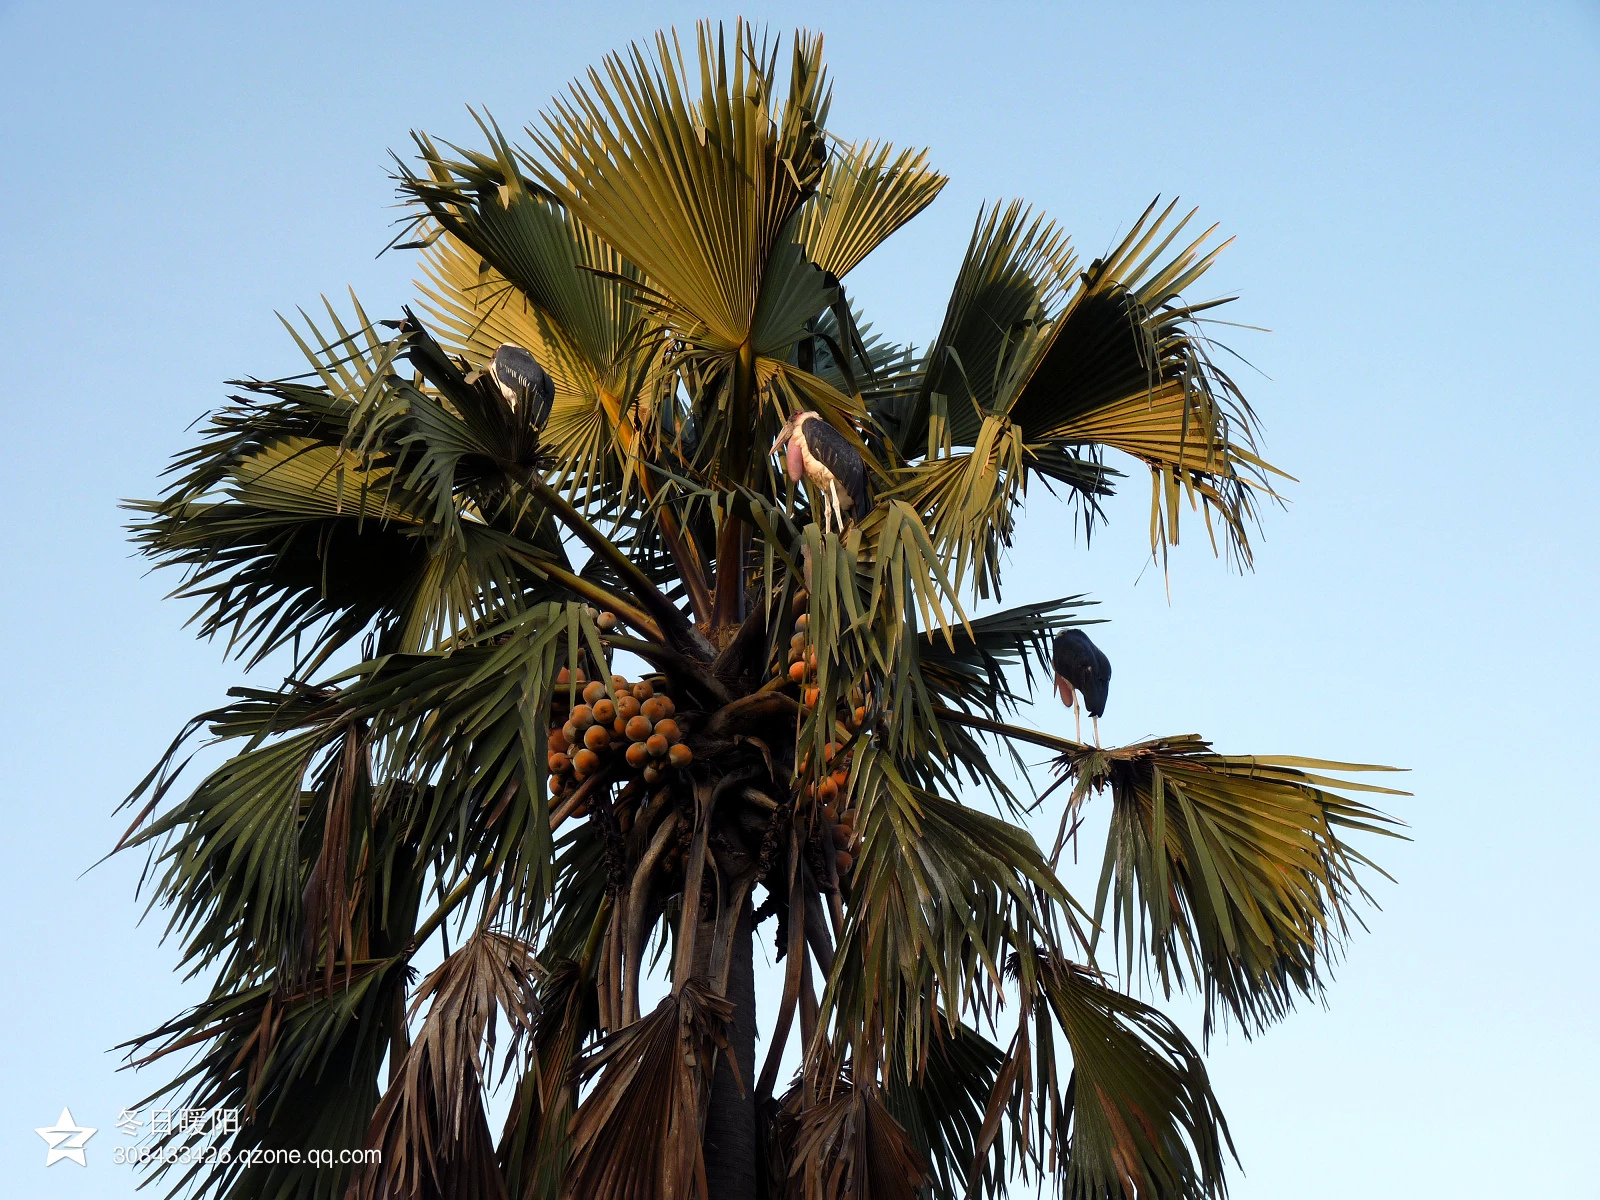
[(516, 368), (830, 448)]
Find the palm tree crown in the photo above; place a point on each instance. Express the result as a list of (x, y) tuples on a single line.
[(460, 762)]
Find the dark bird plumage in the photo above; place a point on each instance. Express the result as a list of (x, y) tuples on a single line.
[(523, 382), (823, 455), (1082, 665)]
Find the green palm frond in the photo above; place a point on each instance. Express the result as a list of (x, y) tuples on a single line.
[(696, 190), (287, 534), (1140, 1118), (299, 1065), (1126, 366), (1015, 275), (970, 671), (1230, 872), (940, 892), (941, 1105), (865, 195)]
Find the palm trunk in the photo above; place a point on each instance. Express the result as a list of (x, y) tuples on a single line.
[(730, 1131)]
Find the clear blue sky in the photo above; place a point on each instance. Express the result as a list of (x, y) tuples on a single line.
[(1413, 189)]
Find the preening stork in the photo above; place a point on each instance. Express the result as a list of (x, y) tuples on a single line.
[(523, 382), (1081, 667), (818, 452)]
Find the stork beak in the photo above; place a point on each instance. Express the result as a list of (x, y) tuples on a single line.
[(783, 437), (1064, 690)]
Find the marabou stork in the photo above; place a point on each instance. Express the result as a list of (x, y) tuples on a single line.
[(1081, 667), (522, 381), (817, 451)]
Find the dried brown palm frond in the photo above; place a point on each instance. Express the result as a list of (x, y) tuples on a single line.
[(848, 1144), (430, 1126), (637, 1134)]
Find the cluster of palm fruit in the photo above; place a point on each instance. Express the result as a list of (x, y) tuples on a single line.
[(802, 669), (638, 726), (827, 797)]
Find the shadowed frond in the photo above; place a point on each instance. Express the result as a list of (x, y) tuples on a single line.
[(300, 1067), (1014, 277), (850, 1145), (1141, 1119), (1126, 365)]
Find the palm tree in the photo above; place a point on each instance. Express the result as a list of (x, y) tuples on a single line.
[(811, 728)]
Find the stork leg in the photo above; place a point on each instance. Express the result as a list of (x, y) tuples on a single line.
[(838, 514), (1096, 721), (1077, 717)]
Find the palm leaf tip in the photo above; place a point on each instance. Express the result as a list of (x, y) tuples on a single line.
[(1232, 868)]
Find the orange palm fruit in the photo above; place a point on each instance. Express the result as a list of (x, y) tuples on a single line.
[(828, 789), (607, 621), (797, 672), (605, 712), (860, 715), (643, 690), (555, 785), (843, 862), (593, 692), (627, 706), (841, 836), (797, 642), (652, 775), (582, 717), (558, 741), (830, 752), (596, 737), (639, 728), (584, 762), (803, 621), (619, 727), (841, 779), (669, 730), (571, 734), (656, 745), (680, 755), (654, 708), (559, 763), (637, 755), (812, 696)]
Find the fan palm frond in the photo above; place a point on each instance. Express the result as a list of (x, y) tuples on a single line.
[(1231, 872)]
